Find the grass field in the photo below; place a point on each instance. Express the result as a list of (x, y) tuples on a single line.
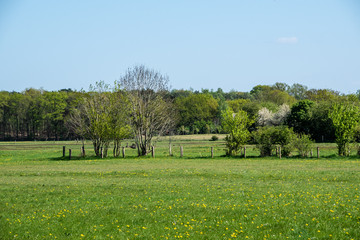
[(45, 196)]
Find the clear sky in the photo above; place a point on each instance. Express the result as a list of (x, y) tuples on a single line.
[(231, 44)]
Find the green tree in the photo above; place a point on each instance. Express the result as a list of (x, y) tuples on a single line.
[(321, 128), (196, 107), (236, 125), (35, 113), (120, 128), (298, 91), (4, 108), (323, 95), (100, 116), (281, 86), (345, 118), (54, 107), (300, 116)]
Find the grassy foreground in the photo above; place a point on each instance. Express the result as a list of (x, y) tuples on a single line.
[(43, 196)]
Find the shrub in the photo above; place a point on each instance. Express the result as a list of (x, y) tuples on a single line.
[(236, 125), (214, 138), (303, 144), (267, 139)]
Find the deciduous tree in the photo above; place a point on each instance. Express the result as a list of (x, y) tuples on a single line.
[(150, 112), (236, 125), (345, 118)]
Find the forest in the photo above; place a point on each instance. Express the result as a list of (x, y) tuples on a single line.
[(37, 114)]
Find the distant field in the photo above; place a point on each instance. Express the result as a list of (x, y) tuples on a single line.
[(45, 196)]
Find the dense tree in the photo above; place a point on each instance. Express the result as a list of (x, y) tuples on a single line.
[(264, 93), (281, 86), (196, 107), (321, 129), (298, 91), (237, 104), (322, 95), (4, 108), (54, 106), (232, 95), (345, 118), (300, 116)]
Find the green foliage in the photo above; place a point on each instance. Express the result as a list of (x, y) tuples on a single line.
[(300, 116), (214, 138), (236, 125), (345, 118), (327, 95), (237, 104), (298, 91), (303, 144), (321, 127), (101, 116), (203, 127), (269, 137), (274, 94), (196, 107), (55, 106)]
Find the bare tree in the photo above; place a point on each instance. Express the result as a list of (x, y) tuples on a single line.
[(150, 112)]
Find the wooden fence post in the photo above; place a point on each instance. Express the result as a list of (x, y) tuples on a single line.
[(181, 151), (280, 152), (82, 150), (311, 153), (318, 152), (102, 152), (170, 152), (153, 151), (69, 154), (63, 151), (212, 152), (123, 152), (244, 151)]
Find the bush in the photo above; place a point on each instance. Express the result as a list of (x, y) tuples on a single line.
[(303, 144), (214, 138), (236, 125), (267, 139)]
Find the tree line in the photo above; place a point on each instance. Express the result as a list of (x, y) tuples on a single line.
[(141, 105)]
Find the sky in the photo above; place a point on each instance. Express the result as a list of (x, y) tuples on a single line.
[(202, 44)]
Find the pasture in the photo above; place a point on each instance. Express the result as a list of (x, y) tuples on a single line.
[(46, 196)]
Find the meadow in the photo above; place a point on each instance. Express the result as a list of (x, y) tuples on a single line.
[(46, 196)]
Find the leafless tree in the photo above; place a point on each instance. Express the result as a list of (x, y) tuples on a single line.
[(150, 112)]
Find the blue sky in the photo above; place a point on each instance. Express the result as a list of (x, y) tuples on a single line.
[(231, 44)]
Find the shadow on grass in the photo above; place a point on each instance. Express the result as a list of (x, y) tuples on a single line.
[(79, 158), (221, 157)]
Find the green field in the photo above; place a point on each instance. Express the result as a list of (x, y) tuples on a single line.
[(46, 196)]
